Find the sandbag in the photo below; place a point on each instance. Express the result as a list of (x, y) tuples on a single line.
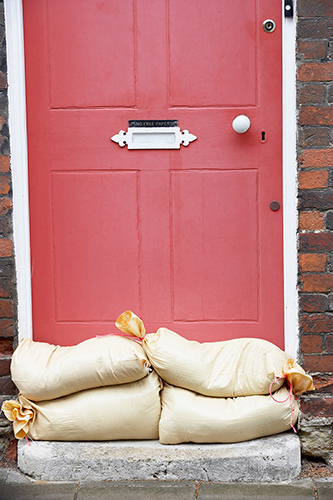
[(190, 417), (44, 371), (238, 367), (129, 411)]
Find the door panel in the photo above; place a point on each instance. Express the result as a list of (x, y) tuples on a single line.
[(185, 238), (206, 206), (94, 251), (207, 47), (92, 53)]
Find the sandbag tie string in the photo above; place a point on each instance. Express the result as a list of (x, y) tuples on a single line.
[(288, 397)]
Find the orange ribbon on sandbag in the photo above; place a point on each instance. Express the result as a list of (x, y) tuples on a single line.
[(131, 324), (20, 416), (297, 378)]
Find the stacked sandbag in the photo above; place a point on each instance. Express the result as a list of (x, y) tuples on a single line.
[(45, 371), (238, 367), (190, 417), (213, 388), (127, 411), (101, 389), (106, 389)]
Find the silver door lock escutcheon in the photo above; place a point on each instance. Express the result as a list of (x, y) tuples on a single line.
[(269, 25)]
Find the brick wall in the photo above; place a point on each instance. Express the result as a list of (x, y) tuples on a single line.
[(315, 177), (7, 264)]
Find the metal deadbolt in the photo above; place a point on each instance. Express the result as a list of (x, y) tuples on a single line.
[(269, 25), (274, 205)]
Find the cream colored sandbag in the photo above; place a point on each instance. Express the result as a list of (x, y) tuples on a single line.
[(238, 367), (44, 371), (129, 411), (190, 417)]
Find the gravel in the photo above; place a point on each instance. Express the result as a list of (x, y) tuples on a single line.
[(315, 468)]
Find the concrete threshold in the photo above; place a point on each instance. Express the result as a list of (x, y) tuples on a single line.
[(270, 459)]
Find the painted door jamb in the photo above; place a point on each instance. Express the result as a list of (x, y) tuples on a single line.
[(19, 166), (19, 162), (289, 162)]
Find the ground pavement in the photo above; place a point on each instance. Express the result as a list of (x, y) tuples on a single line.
[(16, 486)]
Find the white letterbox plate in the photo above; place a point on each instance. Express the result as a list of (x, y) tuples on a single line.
[(153, 138)]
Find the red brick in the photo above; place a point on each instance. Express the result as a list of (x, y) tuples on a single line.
[(313, 8), (5, 288), (6, 346), (6, 247), (318, 407), (323, 383), (5, 205), (315, 28), (318, 199), (316, 72), (7, 387), (316, 242), (312, 49), (6, 308), (313, 179), (310, 94), (317, 283), (6, 328), (318, 363), (313, 303), (329, 344), (4, 366), (4, 163), (315, 115), (311, 344), (317, 158), (4, 185), (310, 137), (312, 262), (316, 323), (5, 227), (3, 80), (7, 268), (311, 221), (11, 454)]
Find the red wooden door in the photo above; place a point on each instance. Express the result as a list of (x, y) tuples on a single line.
[(184, 238)]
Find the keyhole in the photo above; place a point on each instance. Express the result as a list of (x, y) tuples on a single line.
[(263, 136)]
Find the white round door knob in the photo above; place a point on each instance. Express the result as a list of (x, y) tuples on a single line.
[(241, 124)]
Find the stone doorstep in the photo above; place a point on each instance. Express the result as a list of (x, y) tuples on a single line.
[(270, 459)]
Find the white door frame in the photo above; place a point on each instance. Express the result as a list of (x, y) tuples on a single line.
[(289, 169), (19, 166), (19, 162)]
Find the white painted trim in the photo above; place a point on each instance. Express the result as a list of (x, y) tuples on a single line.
[(19, 161), (290, 219), (17, 123)]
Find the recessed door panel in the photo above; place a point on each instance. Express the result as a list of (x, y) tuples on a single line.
[(205, 208), (96, 244), (224, 74), (91, 53)]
